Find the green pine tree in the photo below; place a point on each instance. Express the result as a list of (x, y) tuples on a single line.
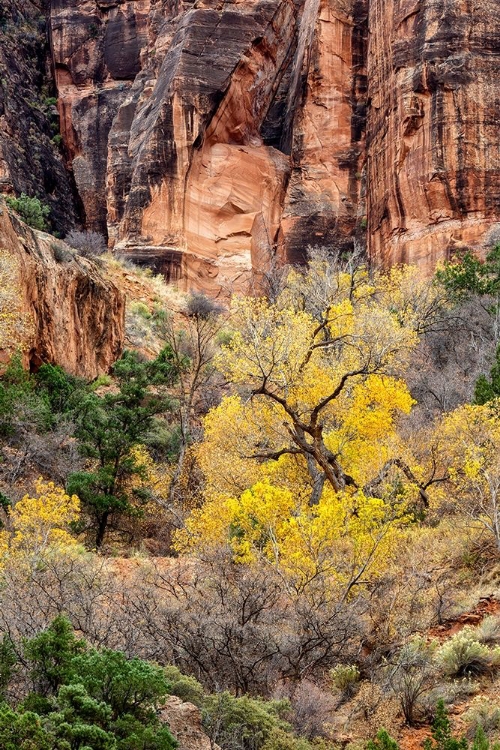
[(488, 389)]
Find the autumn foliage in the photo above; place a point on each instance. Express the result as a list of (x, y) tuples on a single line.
[(308, 517)]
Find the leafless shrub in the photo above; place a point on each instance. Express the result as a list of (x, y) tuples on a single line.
[(411, 674), (237, 627), (231, 626), (312, 708), (448, 361), (52, 454), (88, 244), (201, 306)]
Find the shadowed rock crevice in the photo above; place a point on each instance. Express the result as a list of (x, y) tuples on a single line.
[(31, 158)]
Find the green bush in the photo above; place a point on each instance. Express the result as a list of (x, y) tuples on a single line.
[(85, 698), (243, 723), (31, 210), (442, 738), (484, 713), (464, 656), (22, 405), (184, 687), (488, 632), (60, 389), (61, 253), (345, 678), (383, 741), (281, 740), (140, 309)]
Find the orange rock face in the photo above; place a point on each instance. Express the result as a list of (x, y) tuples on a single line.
[(76, 315), (205, 137), (323, 204), (433, 157)]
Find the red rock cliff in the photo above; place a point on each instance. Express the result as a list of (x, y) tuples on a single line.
[(433, 152), (206, 136), (203, 135), (74, 314)]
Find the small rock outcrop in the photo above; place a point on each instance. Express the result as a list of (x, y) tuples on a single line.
[(76, 315), (184, 720)]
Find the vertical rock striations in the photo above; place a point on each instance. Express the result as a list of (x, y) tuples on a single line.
[(327, 104), (31, 161), (207, 135), (433, 158), (203, 135), (96, 47)]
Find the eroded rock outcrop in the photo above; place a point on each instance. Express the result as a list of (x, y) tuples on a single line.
[(75, 314), (206, 136), (184, 720)]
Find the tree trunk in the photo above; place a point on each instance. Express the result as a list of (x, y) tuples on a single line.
[(101, 529)]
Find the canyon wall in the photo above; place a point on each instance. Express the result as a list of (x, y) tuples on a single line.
[(433, 150), (31, 159), (206, 137)]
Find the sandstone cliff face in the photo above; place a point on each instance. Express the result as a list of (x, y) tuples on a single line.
[(433, 155), (76, 315), (206, 136), (323, 205), (203, 136)]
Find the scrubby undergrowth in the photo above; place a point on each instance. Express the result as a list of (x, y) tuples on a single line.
[(295, 498)]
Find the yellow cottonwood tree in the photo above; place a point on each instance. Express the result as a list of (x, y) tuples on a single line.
[(322, 389), (40, 524), (303, 462)]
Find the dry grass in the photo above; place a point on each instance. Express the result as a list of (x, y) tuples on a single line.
[(147, 296)]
